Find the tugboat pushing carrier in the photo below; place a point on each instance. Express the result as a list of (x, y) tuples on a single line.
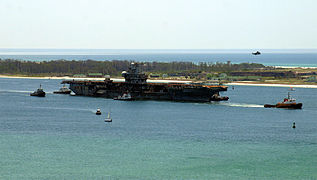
[(139, 89)]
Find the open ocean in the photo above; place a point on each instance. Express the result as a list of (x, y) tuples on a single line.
[(60, 137), (298, 58)]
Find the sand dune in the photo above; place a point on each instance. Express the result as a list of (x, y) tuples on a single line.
[(167, 81)]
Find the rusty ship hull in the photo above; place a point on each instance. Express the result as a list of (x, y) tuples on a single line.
[(148, 91), (137, 86)]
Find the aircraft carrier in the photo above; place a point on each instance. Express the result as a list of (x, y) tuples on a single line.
[(138, 88)]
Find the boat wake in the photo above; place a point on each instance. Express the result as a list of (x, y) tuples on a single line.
[(15, 91), (66, 108), (242, 105), (18, 91)]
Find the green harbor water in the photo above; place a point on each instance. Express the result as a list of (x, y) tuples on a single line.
[(60, 137)]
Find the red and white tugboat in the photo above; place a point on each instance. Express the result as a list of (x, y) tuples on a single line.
[(288, 103)]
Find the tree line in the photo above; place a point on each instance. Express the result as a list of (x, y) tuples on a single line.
[(114, 67)]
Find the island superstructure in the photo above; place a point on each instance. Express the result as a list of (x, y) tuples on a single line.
[(136, 85)]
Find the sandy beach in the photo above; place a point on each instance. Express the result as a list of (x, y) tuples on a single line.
[(272, 85), (98, 79), (295, 67), (248, 83), (26, 77)]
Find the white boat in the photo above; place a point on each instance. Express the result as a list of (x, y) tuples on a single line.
[(108, 119), (63, 90), (124, 97), (98, 112)]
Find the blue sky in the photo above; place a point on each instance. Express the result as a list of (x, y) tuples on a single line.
[(158, 24)]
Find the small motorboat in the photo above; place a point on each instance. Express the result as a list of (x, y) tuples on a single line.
[(63, 90), (108, 119), (39, 92), (98, 112), (288, 103), (125, 97)]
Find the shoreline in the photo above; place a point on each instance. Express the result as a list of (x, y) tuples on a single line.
[(249, 83), (98, 79), (271, 85), (294, 67)]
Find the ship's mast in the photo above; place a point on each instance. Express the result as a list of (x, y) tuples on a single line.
[(133, 75)]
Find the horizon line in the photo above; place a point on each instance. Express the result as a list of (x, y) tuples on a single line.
[(168, 48)]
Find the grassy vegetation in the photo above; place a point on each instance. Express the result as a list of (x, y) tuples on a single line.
[(225, 72)]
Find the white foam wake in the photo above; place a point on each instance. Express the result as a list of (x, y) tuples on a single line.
[(64, 108), (15, 91), (18, 91), (242, 105)]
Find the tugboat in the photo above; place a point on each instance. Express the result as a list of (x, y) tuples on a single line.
[(124, 97), (39, 92), (288, 103), (63, 90), (98, 112)]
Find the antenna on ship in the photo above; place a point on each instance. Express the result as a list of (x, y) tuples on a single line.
[(289, 92)]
